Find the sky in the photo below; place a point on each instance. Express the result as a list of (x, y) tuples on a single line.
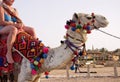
[(48, 18)]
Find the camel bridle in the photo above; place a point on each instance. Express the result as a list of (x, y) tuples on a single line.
[(73, 25)]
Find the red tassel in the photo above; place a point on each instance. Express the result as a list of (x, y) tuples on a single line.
[(75, 52)]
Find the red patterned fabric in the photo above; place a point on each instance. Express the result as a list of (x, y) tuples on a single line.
[(26, 44)]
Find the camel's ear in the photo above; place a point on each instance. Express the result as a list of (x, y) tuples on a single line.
[(75, 17)]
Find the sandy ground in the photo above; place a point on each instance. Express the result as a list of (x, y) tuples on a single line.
[(103, 74)]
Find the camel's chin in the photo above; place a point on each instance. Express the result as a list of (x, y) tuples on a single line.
[(101, 25)]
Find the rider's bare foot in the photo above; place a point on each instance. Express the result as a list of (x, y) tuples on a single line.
[(9, 58)]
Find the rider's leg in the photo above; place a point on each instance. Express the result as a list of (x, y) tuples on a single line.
[(10, 40), (12, 32), (30, 31)]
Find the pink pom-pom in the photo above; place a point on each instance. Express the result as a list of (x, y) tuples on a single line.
[(23, 42), (45, 50), (33, 72), (32, 60), (66, 26)]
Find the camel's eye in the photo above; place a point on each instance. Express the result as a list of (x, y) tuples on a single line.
[(89, 18)]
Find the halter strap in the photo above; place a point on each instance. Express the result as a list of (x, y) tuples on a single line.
[(74, 38), (71, 45)]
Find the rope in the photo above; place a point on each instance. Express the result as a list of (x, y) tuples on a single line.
[(108, 34), (19, 53)]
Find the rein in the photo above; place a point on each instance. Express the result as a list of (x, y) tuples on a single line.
[(74, 38)]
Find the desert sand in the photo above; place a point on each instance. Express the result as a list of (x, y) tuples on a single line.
[(103, 74)]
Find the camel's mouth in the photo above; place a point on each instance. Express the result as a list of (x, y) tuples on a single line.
[(101, 24), (104, 24)]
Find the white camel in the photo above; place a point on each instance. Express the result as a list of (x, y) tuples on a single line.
[(76, 35)]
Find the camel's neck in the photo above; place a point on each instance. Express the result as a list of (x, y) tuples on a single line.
[(58, 57), (62, 55)]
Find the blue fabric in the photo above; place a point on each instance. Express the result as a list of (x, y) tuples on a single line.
[(14, 19), (9, 18), (1, 61)]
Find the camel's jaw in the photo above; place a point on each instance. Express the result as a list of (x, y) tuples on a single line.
[(101, 24)]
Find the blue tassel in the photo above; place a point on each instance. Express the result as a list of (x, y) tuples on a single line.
[(32, 66), (46, 76), (88, 28), (73, 28), (72, 67), (37, 59), (80, 53)]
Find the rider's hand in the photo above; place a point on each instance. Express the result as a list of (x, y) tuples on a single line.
[(19, 25)]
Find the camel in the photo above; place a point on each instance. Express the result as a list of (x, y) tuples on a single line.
[(77, 28)]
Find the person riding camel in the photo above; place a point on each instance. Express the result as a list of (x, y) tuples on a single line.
[(11, 25)]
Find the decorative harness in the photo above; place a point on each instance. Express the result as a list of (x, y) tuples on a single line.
[(25, 46), (78, 27)]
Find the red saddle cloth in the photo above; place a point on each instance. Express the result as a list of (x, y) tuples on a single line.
[(25, 44)]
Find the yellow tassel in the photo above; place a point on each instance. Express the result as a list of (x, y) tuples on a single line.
[(32, 50), (84, 52), (85, 31), (41, 44), (78, 30), (41, 60), (35, 62)]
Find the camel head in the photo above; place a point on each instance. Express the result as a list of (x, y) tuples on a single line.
[(82, 24), (94, 20)]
